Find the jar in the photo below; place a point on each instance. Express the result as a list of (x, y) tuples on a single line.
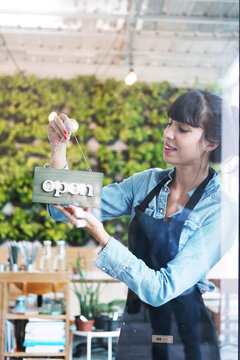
[(46, 307), (46, 257), (20, 305), (60, 256)]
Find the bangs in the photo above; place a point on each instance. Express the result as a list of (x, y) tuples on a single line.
[(188, 109)]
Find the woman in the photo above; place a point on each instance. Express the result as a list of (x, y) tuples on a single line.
[(175, 234)]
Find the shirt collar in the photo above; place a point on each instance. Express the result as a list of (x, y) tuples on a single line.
[(210, 186)]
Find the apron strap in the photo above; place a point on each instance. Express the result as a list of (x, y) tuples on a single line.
[(192, 202), (194, 199), (153, 193)]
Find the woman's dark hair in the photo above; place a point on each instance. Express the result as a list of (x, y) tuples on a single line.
[(203, 109)]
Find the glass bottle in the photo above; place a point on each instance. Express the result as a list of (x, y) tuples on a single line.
[(46, 257), (60, 256)]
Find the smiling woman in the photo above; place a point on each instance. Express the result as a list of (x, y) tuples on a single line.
[(175, 235), (204, 110)]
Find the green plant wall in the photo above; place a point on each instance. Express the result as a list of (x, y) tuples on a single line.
[(108, 113)]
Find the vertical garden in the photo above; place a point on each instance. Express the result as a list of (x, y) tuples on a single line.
[(120, 131)]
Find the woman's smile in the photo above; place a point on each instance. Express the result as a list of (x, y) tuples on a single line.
[(168, 149)]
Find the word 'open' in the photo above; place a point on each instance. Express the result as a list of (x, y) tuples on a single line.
[(63, 187)]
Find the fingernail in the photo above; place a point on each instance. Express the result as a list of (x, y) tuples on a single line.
[(65, 132), (69, 208), (65, 137)]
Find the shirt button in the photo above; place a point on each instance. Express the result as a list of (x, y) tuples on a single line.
[(166, 189), (161, 210), (103, 268)]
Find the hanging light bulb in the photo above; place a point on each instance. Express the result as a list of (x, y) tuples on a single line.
[(52, 115), (131, 77)]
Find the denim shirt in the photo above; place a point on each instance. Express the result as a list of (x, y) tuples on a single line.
[(202, 243)]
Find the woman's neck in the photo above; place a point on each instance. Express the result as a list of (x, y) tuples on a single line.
[(188, 178)]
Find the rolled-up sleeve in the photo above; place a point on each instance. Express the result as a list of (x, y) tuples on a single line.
[(201, 252)]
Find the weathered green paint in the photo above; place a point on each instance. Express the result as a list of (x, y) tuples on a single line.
[(62, 182)]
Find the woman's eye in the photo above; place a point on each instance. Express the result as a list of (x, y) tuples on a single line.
[(183, 130)]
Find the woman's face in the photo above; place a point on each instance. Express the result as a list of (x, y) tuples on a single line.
[(183, 144)]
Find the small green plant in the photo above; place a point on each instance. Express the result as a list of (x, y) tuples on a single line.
[(111, 307), (87, 293)]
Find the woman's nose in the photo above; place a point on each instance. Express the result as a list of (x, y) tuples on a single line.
[(169, 133)]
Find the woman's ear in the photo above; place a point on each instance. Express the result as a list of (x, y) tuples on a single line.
[(211, 146)]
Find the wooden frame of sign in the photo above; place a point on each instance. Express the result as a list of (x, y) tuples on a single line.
[(68, 187)]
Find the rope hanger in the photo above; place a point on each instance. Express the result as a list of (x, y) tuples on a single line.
[(84, 157)]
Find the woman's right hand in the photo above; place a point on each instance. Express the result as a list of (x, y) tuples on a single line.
[(59, 130)]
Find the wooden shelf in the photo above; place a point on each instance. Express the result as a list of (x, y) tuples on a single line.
[(30, 316), (40, 279), (35, 276), (20, 354)]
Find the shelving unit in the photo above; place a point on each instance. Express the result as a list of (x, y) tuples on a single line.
[(24, 280)]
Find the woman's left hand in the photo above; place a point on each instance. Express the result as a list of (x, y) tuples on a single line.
[(82, 218)]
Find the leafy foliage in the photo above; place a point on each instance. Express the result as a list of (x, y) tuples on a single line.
[(107, 111)]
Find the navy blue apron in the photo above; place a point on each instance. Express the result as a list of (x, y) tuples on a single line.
[(181, 329)]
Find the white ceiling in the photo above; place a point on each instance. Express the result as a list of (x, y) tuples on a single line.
[(163, 39)]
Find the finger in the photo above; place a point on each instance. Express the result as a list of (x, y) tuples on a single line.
[(64, 117), (79, 223), (61, 125), (67, 123), (77, 211), (54, 128), (66, 213)]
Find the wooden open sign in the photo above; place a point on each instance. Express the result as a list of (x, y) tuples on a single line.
[(70, 187)]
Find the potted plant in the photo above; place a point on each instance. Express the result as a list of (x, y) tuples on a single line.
[(109, 315), (88, 297)]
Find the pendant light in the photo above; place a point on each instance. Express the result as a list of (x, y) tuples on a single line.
[(131, 77)]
